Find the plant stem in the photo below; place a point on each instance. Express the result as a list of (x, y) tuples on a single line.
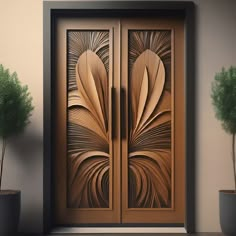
[(4, 143), (233, 157)]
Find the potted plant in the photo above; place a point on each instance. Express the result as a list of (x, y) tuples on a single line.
[(15, 110), (224, 101)]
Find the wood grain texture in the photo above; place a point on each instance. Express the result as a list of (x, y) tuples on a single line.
[(79, 42), (92, 126), (175, 212), (149, 159), (158, 41), (104, 11), (88, 132)]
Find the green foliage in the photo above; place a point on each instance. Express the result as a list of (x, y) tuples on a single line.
[(15, 104), (224, 98)]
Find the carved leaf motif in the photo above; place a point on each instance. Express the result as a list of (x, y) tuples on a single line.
[(80, 41), (143, 96), (151, 177), (150, 134), (88, 140), (89, 171), (158, 41), (82, 116), (91, 80), (150, 62)]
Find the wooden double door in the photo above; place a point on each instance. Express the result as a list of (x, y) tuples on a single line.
[(119, 121)]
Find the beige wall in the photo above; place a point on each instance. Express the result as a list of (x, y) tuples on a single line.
[(21, 50), (215, 48)]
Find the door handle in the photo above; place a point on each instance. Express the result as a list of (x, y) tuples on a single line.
[(113, 112), (123, 113)]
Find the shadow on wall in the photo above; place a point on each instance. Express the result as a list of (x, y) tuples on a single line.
[(26, 145), (24, 159)]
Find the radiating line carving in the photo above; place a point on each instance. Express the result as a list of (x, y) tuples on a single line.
[(149, 159), (158, 41), (88, 133), (79, 42)]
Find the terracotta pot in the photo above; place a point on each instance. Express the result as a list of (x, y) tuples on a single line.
[(228, 211), (10, 201)]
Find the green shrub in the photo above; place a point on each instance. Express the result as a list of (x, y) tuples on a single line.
[(224, 102), (15, 107)]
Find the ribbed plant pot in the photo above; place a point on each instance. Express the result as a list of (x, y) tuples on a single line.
[(10, 202), (228, 211)]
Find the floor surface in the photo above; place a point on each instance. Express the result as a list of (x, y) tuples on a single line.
[(197, 234)]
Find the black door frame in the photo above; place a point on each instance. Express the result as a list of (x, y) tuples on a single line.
[(53, 10)]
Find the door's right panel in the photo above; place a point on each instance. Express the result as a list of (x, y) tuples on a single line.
[(153, 163)]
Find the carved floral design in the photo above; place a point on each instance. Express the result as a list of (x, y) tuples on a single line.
[(88, 134), (149, 134)]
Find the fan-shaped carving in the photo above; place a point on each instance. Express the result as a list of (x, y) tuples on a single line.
[(81, 41), (158, 41), (149, 159), (88, 136)]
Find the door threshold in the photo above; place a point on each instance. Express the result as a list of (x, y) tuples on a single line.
[(112, 230)]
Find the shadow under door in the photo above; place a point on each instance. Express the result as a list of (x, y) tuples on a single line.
[(119, 121)]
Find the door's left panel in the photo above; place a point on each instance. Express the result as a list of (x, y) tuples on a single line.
[(86, 149)]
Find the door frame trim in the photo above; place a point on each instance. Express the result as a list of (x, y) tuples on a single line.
[(53, 10)]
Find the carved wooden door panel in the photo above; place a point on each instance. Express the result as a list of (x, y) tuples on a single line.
[(119, 121), (87, 157), (153, 142)]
